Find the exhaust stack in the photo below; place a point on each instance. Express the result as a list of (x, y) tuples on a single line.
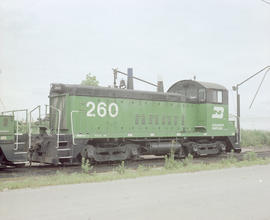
[(130, 79)]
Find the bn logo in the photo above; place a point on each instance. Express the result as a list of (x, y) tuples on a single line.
[(218, 112)]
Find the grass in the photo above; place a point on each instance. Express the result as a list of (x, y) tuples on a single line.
[(121, 172), (255, 138)]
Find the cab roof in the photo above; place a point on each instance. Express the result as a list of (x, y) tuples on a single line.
[(199, 84)]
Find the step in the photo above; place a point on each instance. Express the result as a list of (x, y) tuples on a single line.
[(19, 143), (63, 149), (65, 157), (62, 141), (22, 152)]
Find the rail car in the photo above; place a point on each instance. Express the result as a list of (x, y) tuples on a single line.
[(13, 149), (108, 124)]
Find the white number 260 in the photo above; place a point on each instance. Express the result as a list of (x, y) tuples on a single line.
[(102, 109)]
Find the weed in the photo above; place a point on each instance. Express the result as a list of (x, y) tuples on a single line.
[(142, 168), (188, 160), (86, 167), (250, 156), (230, 158), (121, 169), (170, 162)]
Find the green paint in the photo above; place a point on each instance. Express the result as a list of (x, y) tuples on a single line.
[(7, 128), (141, 118)]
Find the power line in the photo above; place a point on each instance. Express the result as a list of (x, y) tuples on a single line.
[(267, 2), (259, 88)]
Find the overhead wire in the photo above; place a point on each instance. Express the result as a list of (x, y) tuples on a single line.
[(267, 2), (259, 88)]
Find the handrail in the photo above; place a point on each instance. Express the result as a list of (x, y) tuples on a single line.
[(17, 136), (59, 121), (17, 125), (115, 71), (30, 124), (19, 110), (72, 130), (72, 127)]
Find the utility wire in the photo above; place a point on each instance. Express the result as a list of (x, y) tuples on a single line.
[(267, 2), (259, 88)]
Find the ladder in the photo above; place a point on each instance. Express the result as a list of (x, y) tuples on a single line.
[(17, 143), (65, 148)]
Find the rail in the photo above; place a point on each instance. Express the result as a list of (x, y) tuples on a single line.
[(18, 110)]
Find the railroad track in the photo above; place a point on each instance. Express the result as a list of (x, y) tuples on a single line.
[(154, 161)]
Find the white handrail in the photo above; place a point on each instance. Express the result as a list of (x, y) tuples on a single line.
[(17, 136), (72, 129), (29, 127), (17, 123), (59, 121)]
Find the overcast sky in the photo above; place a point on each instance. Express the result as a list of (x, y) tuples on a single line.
[(42, 42)]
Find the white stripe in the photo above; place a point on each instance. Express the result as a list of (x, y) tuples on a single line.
[(63, 149), (19, 143), (20, 152)]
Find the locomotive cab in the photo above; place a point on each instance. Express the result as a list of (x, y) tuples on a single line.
[(207, 111), (200, 92), (211, 109)]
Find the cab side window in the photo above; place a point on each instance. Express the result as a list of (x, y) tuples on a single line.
[(201, 95), (191, 93), (219, 97), (215, 96)]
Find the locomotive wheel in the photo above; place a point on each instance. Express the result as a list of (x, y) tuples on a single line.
[(221, 146)]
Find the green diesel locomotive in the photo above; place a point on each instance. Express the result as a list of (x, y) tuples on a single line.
[(107, 124)]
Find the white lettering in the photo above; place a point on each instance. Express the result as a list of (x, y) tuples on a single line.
[(102, 109), (115, 112), (218, 112), (92, 108)]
